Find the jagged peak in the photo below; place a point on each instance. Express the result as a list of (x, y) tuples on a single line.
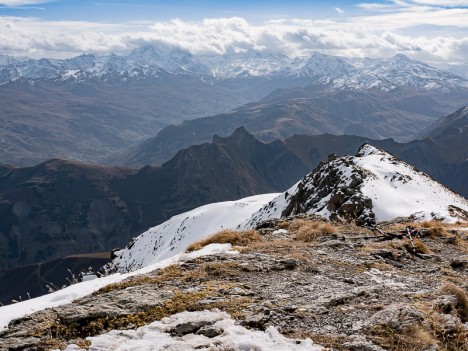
[(239, 135)]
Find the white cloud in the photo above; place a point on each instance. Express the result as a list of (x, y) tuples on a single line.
[(451, 17), (376, 35), (339, 10), (443, 3), (17, 3)]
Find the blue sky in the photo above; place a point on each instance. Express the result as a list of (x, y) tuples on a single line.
[(125, 10), (435, 31)]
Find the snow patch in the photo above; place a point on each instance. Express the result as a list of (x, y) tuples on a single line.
[(157, 336)]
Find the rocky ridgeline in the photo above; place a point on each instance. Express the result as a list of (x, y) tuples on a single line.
[(368, 188), (345, 287), (335, 187)]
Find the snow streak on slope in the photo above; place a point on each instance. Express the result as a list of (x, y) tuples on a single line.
[(76, 291), (371, 186), (159, 336), (176, 234)]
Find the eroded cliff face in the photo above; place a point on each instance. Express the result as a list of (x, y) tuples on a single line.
[(345, 287)]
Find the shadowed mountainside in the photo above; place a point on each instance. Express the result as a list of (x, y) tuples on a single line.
[(59, 208), (376, 114)]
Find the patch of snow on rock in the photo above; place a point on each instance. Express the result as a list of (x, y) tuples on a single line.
[(184, 331)]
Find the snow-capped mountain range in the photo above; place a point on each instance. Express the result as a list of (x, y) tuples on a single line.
[(372, 186), (149, 61)]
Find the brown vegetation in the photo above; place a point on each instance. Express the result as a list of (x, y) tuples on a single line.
[(462, 298), (307, 230), (173, 272), (228, 236)]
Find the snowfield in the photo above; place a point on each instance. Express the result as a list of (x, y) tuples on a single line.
[(399, 190), (176, 234)]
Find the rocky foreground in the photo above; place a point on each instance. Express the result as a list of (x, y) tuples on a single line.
[(342, 286)]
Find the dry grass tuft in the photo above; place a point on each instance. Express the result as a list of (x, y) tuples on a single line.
[(419, 246), (436, 229), (462, 298), (222, 269), (83, 344), (271, 247), (416, 338), (170, 273), (449, 339), (307, 231), (228, 236)]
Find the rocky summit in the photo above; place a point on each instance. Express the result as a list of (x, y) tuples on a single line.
[(371, 187)]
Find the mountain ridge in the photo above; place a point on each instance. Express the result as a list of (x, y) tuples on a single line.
[(375, 115), (338, 72), (88, 207)]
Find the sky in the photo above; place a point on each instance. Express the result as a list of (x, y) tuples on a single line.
[(434, 31)]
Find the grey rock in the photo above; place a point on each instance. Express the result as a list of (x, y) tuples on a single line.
[(459, 263), (318, 309), (188, 327), (384, 253), (360, 343), (257, 320), (334, 244), (336, 299), (289, 263), (210, 331), (446, 303), (450, 324), (397, 316), (238, 291)]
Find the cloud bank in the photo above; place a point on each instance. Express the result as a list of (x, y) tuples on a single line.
[(381, 30)]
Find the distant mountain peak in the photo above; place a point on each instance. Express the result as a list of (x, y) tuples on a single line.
[(239, 136), (402, 57), (456, 122)]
